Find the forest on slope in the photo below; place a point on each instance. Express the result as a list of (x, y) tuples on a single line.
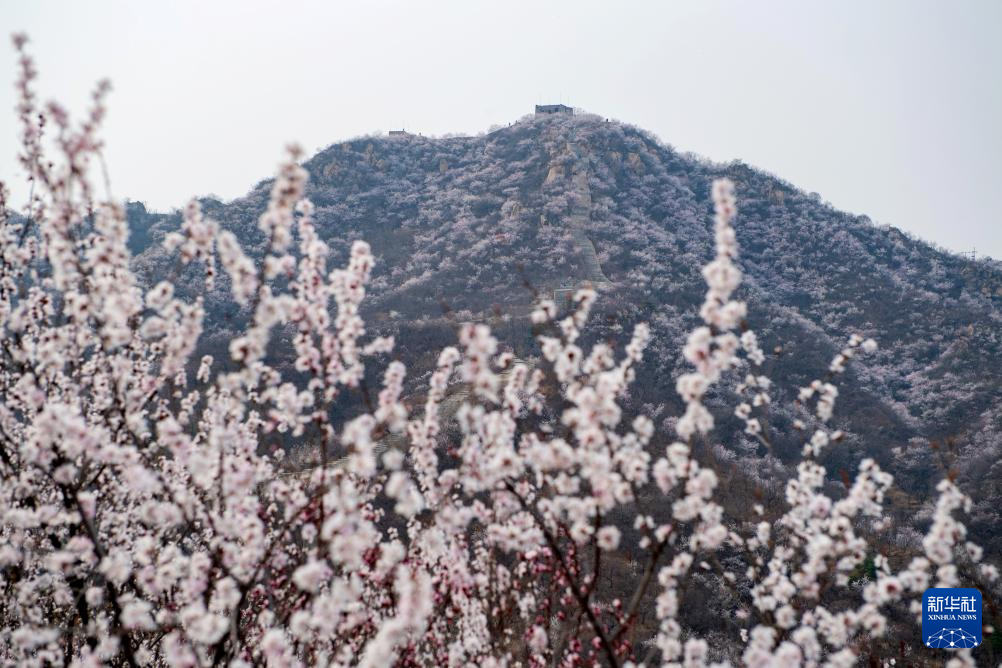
[(477, 228)]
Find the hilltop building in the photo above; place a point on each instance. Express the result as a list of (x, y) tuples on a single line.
[(553, 109)]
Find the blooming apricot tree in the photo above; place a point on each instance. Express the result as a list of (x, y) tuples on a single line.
[(145, 520)]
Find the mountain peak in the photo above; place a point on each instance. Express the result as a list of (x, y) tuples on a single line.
[(480, 228)]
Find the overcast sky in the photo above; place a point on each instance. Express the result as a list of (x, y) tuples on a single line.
[(892, 109)]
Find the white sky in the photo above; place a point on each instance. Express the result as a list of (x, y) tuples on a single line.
[(891, 108)]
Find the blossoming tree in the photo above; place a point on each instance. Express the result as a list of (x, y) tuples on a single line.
[(146, 520)]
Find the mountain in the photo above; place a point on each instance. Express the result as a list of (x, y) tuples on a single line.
[(471, 228)]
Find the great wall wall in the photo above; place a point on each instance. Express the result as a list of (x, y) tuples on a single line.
[(577, 221)]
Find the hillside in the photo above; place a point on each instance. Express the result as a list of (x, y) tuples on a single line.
[(468, 228)]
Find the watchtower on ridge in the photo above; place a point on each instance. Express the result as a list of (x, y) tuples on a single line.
[(553, 109)]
